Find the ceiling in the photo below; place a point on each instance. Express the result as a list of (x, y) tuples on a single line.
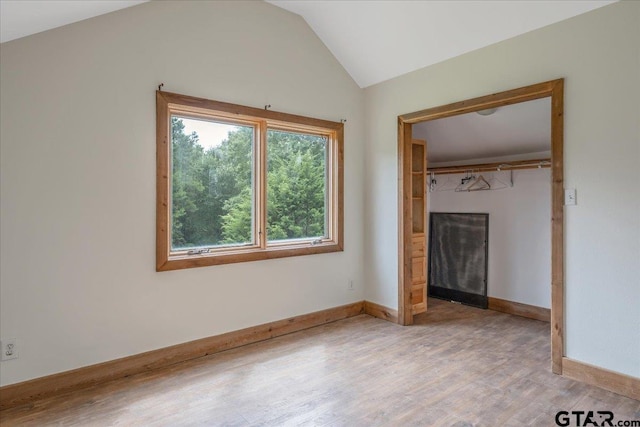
[(514, 132), (379, 40), (20, 18), (374, 40)]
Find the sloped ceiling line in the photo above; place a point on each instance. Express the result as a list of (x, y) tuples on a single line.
[(379, 40), (374, 40)]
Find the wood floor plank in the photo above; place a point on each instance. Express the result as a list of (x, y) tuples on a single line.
[(456, 365)]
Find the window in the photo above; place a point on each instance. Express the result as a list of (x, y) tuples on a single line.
[(238, 184)]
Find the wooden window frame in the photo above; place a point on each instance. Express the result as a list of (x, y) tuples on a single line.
[(168, 104)]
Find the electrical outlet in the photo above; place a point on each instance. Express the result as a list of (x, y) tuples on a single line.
[(9, 349), (350, 285)]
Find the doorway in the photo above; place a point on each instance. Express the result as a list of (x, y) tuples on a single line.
[(553, 89)]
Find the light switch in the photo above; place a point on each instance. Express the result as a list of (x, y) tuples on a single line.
[(570, 196)]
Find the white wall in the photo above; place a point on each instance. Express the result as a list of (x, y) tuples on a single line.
[(77, 175), (78, 280), (598, 54), (519, 262)]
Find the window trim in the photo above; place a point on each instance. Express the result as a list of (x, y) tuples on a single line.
[(168, 104)]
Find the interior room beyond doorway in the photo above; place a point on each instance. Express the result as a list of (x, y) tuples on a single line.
[(408, 251), (513, 189)]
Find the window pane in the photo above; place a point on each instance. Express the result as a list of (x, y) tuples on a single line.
[(212, 184), (296, 185)]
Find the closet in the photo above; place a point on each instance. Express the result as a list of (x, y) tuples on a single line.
[(526, 248), (468, 202)]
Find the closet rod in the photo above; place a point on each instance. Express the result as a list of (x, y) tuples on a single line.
[(519, 164)]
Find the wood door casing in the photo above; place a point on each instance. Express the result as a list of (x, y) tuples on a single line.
[(553, 89)]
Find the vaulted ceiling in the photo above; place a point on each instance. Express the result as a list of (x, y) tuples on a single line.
[(379, 40), (374, 40), (21, 18)]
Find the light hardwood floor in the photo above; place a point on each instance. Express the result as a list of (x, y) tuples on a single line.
[(457, 366)]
